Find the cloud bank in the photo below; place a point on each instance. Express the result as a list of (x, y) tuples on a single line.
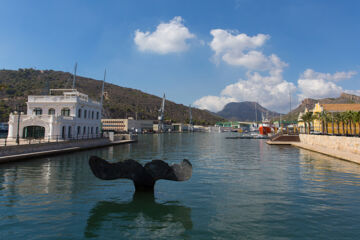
[(168, 37), (264, 81)]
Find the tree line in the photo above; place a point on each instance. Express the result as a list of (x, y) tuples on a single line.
[(348, 121)]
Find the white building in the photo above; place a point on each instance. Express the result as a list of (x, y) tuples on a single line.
[(64, 114)]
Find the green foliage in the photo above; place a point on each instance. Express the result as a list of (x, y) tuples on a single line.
[(119, 102)]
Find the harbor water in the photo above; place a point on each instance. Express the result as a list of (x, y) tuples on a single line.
[(240, 189)]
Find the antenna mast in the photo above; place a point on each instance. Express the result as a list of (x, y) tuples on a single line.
[(74, 79)]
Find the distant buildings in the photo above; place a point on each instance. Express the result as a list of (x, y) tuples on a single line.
[(64, 114), (335, 121), (127, 125)]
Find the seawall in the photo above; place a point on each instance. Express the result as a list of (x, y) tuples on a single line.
[(14, 153), (346, 148)]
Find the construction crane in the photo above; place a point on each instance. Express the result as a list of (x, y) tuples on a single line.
[(161, 115)]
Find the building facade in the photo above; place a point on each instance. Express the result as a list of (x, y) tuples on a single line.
[(64, 114), (127, 125)]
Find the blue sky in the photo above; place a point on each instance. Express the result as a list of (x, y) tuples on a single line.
[(205, 53)]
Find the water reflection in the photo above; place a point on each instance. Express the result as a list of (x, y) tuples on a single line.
[(142, 216), (323, 168)]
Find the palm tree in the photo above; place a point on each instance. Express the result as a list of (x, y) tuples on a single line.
[(337, 119), (355, 120), (307, 118), (343, 121)]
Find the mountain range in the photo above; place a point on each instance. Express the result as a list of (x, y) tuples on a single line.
[(309, 103)]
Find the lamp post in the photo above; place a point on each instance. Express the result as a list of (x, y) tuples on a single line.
[(18, 109)]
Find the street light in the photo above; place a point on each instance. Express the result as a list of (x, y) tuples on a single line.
[(19, 108)]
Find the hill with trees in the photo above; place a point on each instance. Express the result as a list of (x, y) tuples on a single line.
[(119, 102)]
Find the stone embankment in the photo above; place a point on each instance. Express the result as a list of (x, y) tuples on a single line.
[(19, 152), (346, 148)]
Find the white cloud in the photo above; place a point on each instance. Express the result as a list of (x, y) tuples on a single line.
[(213, 103), (270, 91), (338, 76), (316, 85), (167, 38), (241, 50)]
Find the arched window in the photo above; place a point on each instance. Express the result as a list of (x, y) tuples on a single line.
[(85, 112), (79, 113), (92, 130), (97, 115), (65, 112), (78, 130), (38, 111), (84, 130), (92, 115), (51, 111)]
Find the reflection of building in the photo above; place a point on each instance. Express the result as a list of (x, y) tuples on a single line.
[(127, 125), (64, 114)]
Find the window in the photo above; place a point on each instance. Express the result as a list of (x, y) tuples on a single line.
[(92, 130), (84, 131), (78, 130), (69, 132), (51, 111), (85, 112), (65, 112), (92, 115), (97, 130), (79, 113), (38, 111), (97, 115)]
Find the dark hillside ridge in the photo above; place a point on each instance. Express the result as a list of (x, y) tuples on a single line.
[(246, 111), (119, 102)]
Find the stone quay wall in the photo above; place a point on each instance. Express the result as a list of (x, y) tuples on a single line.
[(40, 147), (337, 143)]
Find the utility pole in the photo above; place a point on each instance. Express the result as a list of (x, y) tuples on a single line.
[(74, 79), (18, 109), (161, 115), (290, 104)]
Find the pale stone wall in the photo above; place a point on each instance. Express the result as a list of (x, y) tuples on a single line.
[(338, 143)]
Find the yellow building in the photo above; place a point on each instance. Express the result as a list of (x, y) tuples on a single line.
[(127, 125), (332, 109)]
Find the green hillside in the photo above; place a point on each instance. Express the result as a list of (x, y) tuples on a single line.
[(119, 102)]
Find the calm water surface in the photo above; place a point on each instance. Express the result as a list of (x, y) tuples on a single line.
[(240, 189)]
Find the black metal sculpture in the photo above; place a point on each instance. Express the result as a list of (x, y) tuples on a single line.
[(144, 177)]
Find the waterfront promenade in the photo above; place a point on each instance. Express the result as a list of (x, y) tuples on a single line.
[(24, 151)]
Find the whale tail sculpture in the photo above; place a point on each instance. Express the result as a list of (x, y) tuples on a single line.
[(144, 177)]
